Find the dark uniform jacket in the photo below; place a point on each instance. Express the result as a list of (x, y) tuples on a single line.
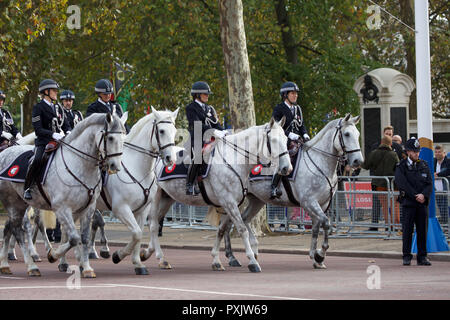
[(207, 116), (73, 117), (381, 162), (7, 124), (43, 116), (445, 169), (294, 121), (412, 179), (99, 107)]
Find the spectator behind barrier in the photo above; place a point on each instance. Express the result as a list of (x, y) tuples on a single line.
[(441, 169), (382, 162)]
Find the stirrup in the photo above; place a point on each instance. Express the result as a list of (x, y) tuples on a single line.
[(27, 194), (275, 193)]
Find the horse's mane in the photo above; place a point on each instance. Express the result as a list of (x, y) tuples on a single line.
[(143, 121), (94, 119), (322, 132)]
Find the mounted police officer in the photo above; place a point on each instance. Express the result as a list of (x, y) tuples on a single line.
[(7, 128), (293, 127), (198, 112), (104, 104), (413, 179), (73, 116), (49, 124)]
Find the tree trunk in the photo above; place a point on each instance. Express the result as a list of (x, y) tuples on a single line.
[(29, 100), (240, 90), (289, 43), (407, 16)]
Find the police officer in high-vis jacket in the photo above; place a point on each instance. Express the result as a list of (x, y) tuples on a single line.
[(49, 124), (7, 128), (198, 111), (293, 127), (413, 179), (73, 116), (104, 104)]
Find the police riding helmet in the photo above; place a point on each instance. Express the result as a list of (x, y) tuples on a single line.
[(67, 95), (412, 145), (47, 84), (286, 88), (2, 95), (104, 86), (200, 87)]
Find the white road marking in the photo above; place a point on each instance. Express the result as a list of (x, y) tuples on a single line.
[(113, 285), (13, 278)]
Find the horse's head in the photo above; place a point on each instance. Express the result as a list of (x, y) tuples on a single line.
[(276, 144), (110, 143), (346, 140), (163, 135)]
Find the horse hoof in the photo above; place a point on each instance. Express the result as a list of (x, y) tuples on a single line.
[(318, 258), (34, 273), (218, 267), (234, 263), (5, 270), (93, 256), (165, 265), (254, 268), (50, 257), (36, 258), (319, 266), (115, 258), (89, 274), (142, 255), (141, 271), (63, 267), (104, 254), (12, 257)]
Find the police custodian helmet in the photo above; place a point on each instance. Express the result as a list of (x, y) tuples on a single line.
[(200, 87), (67, 95), (412, 145), (288, 87), (48, 84), (104, 86)]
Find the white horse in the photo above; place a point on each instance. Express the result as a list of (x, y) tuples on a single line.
[(130, 192), (226, 182), (71, 188), (313, 187)]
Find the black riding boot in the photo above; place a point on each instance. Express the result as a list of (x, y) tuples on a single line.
[(275, 193), (192, 175), (29, 180)]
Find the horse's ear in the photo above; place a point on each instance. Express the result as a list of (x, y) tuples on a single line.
[(124, 117), (272, 121), (356, 119), (155, 112), (347, 117), (175, 113), (109, 118), (282, 121)]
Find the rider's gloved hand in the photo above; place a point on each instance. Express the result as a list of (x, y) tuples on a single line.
[(7, 135), (57, 136), (306, 137), (18, 136), (293, 136)]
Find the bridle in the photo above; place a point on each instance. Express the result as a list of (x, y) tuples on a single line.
[(155, 132)]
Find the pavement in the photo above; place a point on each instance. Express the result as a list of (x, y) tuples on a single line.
[(200, 237)]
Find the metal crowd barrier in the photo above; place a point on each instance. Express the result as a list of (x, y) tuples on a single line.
[(356, 211)]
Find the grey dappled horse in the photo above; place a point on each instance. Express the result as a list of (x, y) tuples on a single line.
[(235, 155), (313, 186), (72, 186), (130, 192)]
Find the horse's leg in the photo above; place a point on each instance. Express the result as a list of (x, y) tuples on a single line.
[(63, 265), (221, 230), (92, 252), (235, 215), (28, 231), (318, 219), (7, 233), (104, 250), (64, 215), (135, 256), (39, 226), (11, 249), (126, 216), (85, 226)]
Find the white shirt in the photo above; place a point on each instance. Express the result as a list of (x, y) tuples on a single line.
[(438, 184), (50, 104), (290, 107), (201, 104)]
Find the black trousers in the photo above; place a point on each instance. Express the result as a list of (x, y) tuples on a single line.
[(35, 167), (416, 215)]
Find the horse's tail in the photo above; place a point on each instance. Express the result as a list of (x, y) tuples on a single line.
[(49, 219)]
